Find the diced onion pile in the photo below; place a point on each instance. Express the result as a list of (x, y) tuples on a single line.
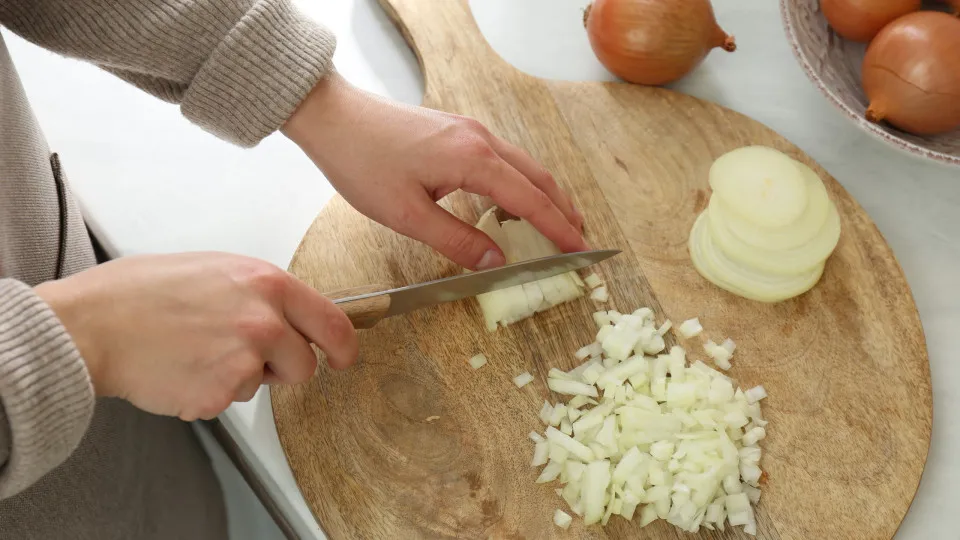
[(768, 228), (651, 436)]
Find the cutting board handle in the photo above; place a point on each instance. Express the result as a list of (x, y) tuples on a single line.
[(448, 43), (365, 313)]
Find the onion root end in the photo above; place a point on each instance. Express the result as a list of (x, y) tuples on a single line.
[(875, 114), (729, 44)]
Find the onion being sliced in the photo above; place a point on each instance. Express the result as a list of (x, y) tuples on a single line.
[(519, 240)]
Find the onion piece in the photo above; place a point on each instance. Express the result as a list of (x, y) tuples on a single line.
[(536, 437), (550, 472), (559, 413), (596, 478), (600, 294), (575, 447), (593, 281), (690, 328), (714, 266), (755, 394), (760, 183), (572, 388), (540, 453), (579, 401), (601, 318), (665, 327), (522, 379), (562, 519), (730, 233), (545, 412), (477, 361)]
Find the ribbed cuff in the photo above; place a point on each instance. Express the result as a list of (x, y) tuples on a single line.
[(259, 74), (45, 390)]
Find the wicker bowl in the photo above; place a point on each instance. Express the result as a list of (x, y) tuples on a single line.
[(833, 65)]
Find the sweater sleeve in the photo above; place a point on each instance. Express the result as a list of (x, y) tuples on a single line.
[(237, 68), (46, 396)]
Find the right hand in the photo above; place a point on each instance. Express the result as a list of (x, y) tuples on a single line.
[(188, 334)]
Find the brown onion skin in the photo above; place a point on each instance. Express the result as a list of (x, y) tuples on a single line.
[(653, 42), (911, 73), (861, 20)]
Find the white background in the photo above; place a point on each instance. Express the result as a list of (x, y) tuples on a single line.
[(151, 182)]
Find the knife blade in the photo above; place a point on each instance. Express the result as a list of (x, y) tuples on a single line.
[(365, 310)]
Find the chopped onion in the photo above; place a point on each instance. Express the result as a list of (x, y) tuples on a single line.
[(540, 452), (545, 412), (550, 472), (579, 401), (721, 355), (754, 436), (665, 327), (536, 437), (478, 361), (755, 394), (572, 388), (593, 281), (596, 479), (690, 328), (600, 294), (666, 440), (522, 379), (562, 519)]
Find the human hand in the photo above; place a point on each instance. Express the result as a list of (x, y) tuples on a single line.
[(392, 162), (188, 334)]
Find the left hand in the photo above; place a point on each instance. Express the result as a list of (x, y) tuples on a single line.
[(392, 162)]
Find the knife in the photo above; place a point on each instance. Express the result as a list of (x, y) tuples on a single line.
[(366, 306)]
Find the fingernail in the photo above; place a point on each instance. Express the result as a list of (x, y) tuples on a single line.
[(491, 259), (579, 217)]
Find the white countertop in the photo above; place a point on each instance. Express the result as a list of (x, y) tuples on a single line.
[(151, 182)]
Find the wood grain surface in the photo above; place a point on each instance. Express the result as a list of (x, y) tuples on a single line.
[(412, 443)]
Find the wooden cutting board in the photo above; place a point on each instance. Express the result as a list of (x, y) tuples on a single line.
[(845, 365)]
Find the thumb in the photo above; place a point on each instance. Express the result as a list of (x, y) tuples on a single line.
[(461, 243)]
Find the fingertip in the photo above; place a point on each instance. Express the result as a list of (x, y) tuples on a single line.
[(347, 349), (492, 258)]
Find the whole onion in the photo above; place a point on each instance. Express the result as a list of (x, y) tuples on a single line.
[(861, 20), (955, 4), (911, 73), (653, 42)]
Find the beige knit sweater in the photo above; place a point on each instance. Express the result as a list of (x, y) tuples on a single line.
[(72, 466)]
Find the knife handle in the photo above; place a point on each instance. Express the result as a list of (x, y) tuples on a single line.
[(365, 313)]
